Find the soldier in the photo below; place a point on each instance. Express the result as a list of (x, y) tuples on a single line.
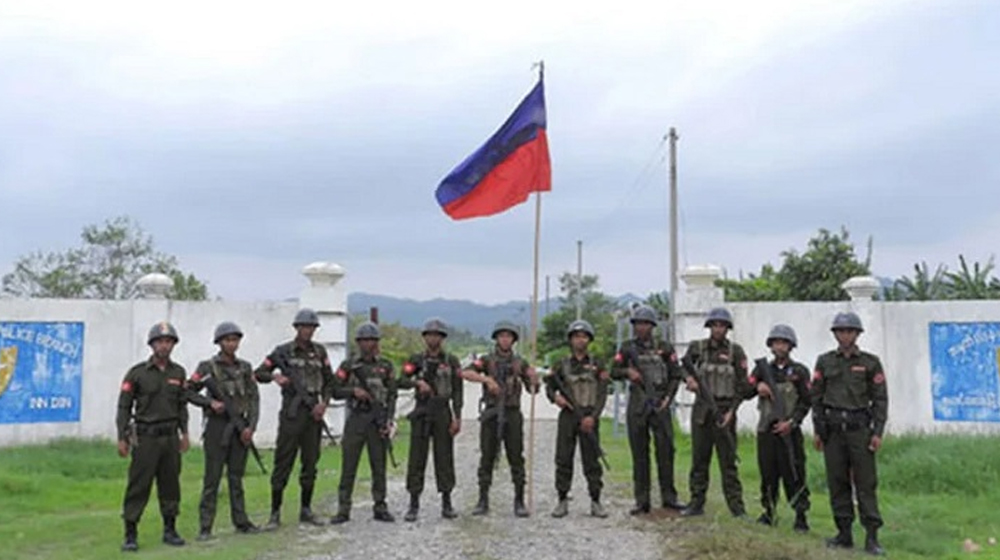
[(228, 432), (579, 386), (368, 384), (783, 387), (717, 374), (502, 373), (850, 409), (653, 370), (437, 415), (155, 387), (306, 382)]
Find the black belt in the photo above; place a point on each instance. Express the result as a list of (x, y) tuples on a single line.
[(156, 429), (847, 420)]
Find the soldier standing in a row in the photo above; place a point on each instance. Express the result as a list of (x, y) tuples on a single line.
[(153, 394), (368, 384), (228, 433), (579, 386), (502, 373), (437, 416), (850, 409), (306, 381)]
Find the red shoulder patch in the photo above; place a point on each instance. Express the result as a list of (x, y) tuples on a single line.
[(478, 363), (195, 377), (341, 374), (127, 387), (817, 376), (619, 358), (268, 362), (879, 378), (326, 361), (409, 369), (673, 358), (752, 379), (743, 363)]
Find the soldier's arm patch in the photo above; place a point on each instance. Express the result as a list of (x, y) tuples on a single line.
[(409, 369), (127, 387), (341, 374), (673, 357), (604, 375), (268, 363), (195, 377), (619, 358), (817, 376), (752, 379), (326, 361), (879, 378), (743, 363)]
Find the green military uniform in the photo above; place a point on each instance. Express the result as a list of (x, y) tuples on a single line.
[(648, 412), (502, 423), (792, 386), (431, 419), (585, 384), (222, 444), (307, 365), (155, 399), (722, 366), (850, 405), (365, 421)]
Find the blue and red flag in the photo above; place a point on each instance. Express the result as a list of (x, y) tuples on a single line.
[(505, 170)]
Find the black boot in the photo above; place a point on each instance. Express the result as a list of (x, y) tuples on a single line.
[(205, 534), (382, 513), (694, 509), (639, 509), (519, 509), (447, 511), (343, 516), (767, 518), (275, 520), (411, 514), (131, 543), (170, 535), (843, 538), (483, 506), (247, 528), (307, 516), (871, 543), (801, 524)]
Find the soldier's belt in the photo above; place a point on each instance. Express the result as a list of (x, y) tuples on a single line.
[(156, 429), (846, 420)]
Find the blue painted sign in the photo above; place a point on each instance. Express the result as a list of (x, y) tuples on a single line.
[(965, 371), (41, 371)]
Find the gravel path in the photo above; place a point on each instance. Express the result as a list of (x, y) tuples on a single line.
[(498, 535)]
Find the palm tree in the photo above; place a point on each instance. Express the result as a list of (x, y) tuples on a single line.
[(975, 282), (923, 286)]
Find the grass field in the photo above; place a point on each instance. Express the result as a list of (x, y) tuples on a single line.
[(63, 500)]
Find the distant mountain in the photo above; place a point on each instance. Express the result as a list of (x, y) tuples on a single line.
[(477, 318)]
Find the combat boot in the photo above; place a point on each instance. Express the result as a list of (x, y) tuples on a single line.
[(639, 509), (519, 509), (483, 506), (695, 509), (170, 535), (382, 513), (562, 508), (343, 516), (274, 521), (871, 543), (843, 538), (307, 516), (597, 510), (767, 518), (447, 511), (205, 534), (131, 543), (411, 514), (801, 525)]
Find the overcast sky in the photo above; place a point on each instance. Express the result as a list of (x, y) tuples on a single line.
[(253, 138)]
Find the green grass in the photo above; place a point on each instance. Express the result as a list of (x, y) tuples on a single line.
[(63, 500), (934, 492)]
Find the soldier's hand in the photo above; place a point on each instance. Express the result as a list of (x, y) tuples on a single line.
[(692, 384), (534, 384), (782, 428), (185, 443), (246, 436), (875, 444), (634, 376), (561, 402), (218, 407), (818, 443), (122, 448), (492, 386), (318, 411), (423, 387), (764, 391), (389, 430), (454, 427), (361, 395), (281, 379), (587, 424), (726, 419)]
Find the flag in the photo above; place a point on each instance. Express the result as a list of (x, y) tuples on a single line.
[(504, 171)]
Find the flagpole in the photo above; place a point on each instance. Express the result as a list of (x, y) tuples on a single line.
[(534, 331)]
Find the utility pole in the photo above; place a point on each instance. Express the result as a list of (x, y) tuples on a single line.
[(673, 231), (579, 280)]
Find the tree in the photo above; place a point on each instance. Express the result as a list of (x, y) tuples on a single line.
[(975, 282), (660, 301), (814, 275), (112, 258), (923, 286), (597, 308)]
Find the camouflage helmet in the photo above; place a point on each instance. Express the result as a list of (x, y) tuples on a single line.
[(306, 316), (783, 332), (719, 314), (643, 313), (848, 320), (580, 326), (162, 329), (225, 329), (367, 330), (435, 325), (505, 326)]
